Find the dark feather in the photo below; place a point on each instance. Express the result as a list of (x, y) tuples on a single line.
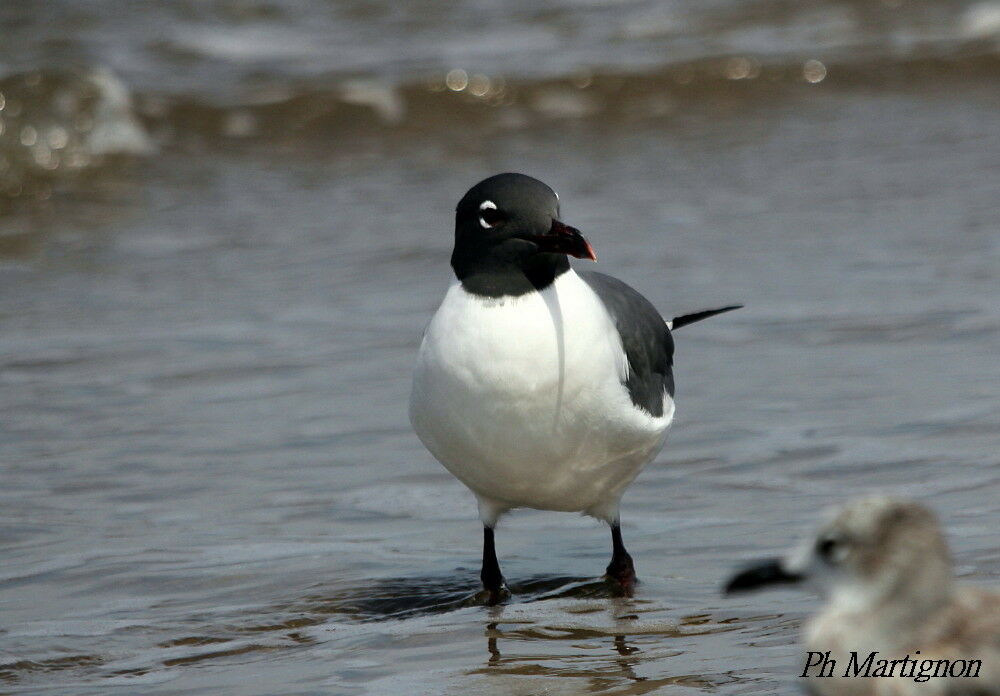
[(645, 337), (685, 319)]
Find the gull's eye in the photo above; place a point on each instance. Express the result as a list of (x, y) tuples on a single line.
[(489, 216), (829, 549)]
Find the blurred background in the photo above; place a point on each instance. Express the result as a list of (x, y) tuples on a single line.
[(225, 223)]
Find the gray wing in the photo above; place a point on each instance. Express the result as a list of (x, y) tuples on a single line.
[(645, 337)]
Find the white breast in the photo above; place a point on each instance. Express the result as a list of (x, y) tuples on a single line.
[(522, 399)]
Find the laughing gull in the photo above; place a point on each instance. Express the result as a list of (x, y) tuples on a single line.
[(537, 386), (884, 568)]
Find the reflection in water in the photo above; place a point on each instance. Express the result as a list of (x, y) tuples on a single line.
[(606, 657)]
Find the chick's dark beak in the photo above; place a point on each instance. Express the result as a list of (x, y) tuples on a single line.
[(563, 239), (759, 575)]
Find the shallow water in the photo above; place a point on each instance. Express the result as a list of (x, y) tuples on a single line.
[(209, 482)]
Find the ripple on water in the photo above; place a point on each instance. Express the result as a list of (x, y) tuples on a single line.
[(572, 610)]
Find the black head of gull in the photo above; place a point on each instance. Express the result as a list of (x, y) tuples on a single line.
[(509, 239)]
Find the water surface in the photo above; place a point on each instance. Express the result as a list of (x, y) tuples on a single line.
[(210, 313)]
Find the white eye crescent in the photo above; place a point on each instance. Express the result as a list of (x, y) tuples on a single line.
[(484, 206)]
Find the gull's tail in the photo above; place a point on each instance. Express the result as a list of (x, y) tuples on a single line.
[(685, 319)]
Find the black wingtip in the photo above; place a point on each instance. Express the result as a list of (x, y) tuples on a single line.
[(686, 319)]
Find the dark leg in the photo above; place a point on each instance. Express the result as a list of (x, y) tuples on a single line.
[(491, 576), (621, 569)]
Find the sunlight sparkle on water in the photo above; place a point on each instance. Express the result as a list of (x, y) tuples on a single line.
[(29, 136), (457, 80), (814, 71), (741, 68), (479, 85)]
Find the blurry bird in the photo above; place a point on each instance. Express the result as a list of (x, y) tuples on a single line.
[(536, 386), (884, 569)]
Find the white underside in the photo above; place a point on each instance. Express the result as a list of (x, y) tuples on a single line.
[(522, 400)]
